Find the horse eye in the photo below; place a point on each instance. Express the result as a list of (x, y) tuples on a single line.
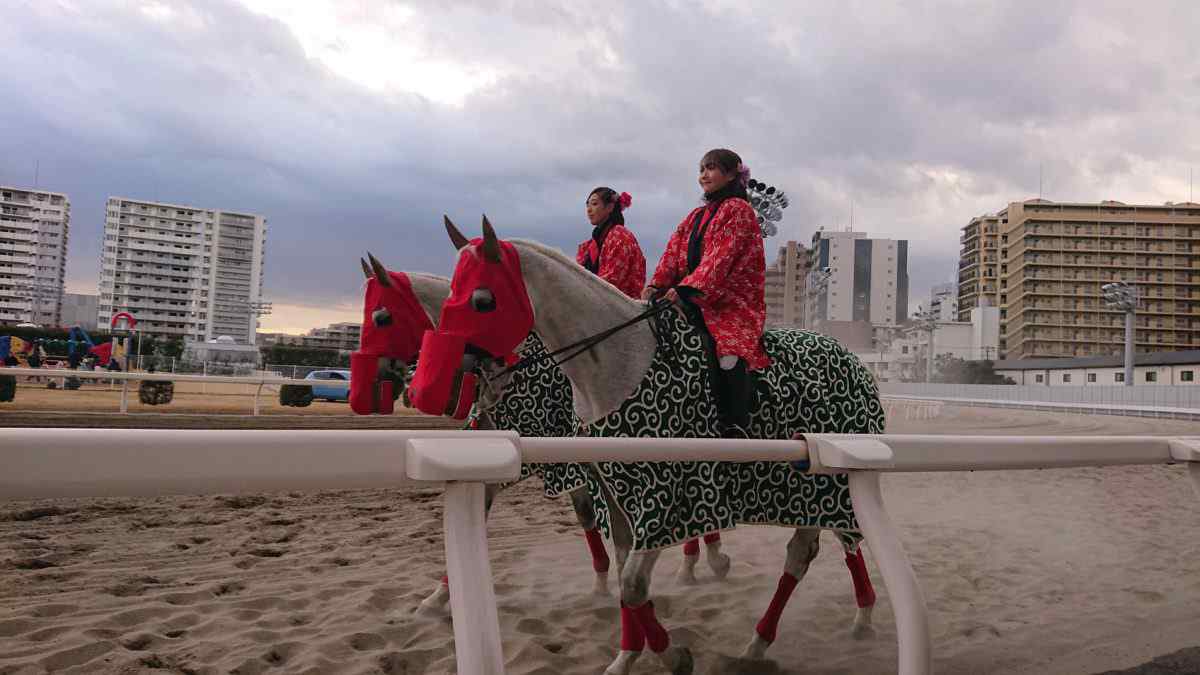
[(482, 300), (381, 317)]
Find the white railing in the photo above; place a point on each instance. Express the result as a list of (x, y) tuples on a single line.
[(1156, 395), (125, 378), (44, 463)]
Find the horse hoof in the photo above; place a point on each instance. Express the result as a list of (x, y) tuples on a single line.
[(862, 628), (687, 571), (435, 605), (623, 664), (600, 588), (720, 565), (678, 660), (756, 649), (862, 631)]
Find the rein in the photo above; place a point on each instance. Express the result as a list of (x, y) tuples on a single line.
[(581, 346)]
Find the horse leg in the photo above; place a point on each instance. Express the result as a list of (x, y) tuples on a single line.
[(718, 562), (691, 556), (585, 511), (635, 595), (864, 592), (435, 603), (632, 638), (801, 550)]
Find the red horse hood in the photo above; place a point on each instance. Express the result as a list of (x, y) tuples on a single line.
[(496, 330)]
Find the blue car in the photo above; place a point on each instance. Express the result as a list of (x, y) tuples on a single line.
[(330, 392)]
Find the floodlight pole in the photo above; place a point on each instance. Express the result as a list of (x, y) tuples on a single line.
[(1129, 312)]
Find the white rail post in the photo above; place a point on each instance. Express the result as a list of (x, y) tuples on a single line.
[(1188, 450), (908, 603), (862, 459), (465, 464), (257, 391), (124, 396)]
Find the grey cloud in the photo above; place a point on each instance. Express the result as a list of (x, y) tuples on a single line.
[(924, 116)]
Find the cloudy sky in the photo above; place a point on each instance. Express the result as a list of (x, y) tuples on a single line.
[(353, 125)]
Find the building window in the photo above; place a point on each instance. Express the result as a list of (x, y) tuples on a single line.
[(1152, 376), (1091, 377), (1039, 379), (1066, 378)]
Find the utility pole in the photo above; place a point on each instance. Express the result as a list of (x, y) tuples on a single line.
[(1123, 296), (818, 282), (927, 320)]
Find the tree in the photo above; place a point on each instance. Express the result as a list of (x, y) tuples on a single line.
[(172, 348), (953, 370)]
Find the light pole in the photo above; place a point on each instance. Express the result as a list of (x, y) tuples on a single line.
[(926, 319), (818, 282), (254, 310), (1123, 296)]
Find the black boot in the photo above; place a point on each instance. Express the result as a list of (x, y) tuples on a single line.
[(733, 399)]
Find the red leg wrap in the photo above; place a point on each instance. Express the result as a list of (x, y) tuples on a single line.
[(768, 625), (596, 545), (656, 635), (864, 592), (691, 547), (446, 580), (632, 639), (712, 537)]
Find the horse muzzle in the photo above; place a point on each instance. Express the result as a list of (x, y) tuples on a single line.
[(374, 388), (443, 385)]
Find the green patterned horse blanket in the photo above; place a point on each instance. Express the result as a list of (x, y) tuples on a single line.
[(814, 385)]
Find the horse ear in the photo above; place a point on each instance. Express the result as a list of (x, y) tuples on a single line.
[(491, 244), (381, 273), (456, 237), (366, 268)]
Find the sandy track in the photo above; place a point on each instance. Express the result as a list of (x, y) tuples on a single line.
[(1073, 571)]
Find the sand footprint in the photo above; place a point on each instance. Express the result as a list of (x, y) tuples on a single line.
[(14, 627), (532, 626), (364, 642)]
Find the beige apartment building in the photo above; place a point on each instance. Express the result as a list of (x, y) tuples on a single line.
[(1043, 264), (339, 336), (35, 227), (786, 285)]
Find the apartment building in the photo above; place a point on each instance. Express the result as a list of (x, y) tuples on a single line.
[(868, 279), (35, 227), (943, 302), (786, 286), (182, 271), (339, 336), (1044, 263)]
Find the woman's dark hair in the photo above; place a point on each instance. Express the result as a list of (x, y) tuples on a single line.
[(728, 162), (609, 196)]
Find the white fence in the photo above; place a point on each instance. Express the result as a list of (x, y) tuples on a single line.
[(125, 378), (110, 462), (1136, 399)]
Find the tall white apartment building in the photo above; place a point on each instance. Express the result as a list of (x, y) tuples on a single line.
[(182, 271), (943, 301), (868, 279), (35, 227)]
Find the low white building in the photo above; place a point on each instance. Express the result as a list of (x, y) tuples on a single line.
[(1166, 368), (222, 349), (906, 356)]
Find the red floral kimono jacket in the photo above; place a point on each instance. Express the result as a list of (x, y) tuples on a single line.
[(730, 278), (617, 259)]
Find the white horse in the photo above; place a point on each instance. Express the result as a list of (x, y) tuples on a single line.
[(536, 403), (650, 379)]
